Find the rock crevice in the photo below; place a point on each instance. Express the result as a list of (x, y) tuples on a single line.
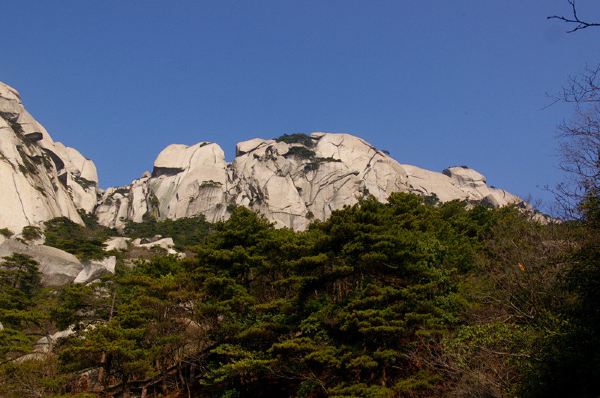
[(46, 178), (291, 181)]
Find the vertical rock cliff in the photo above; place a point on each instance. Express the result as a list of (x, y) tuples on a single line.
[(39, 179)]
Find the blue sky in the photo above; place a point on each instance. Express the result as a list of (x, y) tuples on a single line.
[(436, 83)]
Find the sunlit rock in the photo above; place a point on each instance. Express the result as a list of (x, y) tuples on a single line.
[(291, 181), (40, 179)]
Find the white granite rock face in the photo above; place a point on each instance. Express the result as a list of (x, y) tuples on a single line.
[(290, 181), (163, 243), (116, 243), (58, 267), (476, 186), (186, 181), (45, 344), (96, 268), (40, 179)]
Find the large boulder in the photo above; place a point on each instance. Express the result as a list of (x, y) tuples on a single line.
[(163, 243), (94, 269), (159, 242), (56, 266)]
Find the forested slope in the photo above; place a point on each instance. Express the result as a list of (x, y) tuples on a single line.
[(410, 298)]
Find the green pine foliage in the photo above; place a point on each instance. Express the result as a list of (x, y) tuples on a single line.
[(31, 233), (186, 232), (24, 306), (411, 298), (84, 242), (300, 152), (297, 138), (7, 233)]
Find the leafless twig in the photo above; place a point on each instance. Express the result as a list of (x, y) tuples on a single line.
[(579, 24)]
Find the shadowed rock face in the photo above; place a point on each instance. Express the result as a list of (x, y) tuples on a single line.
[(40, 179), (290, 181)]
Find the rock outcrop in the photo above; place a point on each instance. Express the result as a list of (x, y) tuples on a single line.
[(45, 344), (94, 269), (56, 266), (117, 243), (40, 179), (291, 181), (186, 181)]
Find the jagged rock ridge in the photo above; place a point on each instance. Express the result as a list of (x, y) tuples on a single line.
[(40, 179), (291, 181)]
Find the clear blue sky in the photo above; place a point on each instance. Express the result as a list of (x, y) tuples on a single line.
[(436, 83)]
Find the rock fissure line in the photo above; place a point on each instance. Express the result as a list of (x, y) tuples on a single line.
[(178, 185), (20, 199)]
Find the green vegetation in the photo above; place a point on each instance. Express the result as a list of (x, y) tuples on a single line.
[(317, 162), (31, 233), (25, 311), (409, 298), (297, 138), (84, 242), (7, 233), (210, 184), (28, 167), (19, 286), (300, 152), (186, 232), (85, 184)]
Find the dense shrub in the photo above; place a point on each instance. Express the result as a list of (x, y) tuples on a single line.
[(186, 232), (297, 138), (410, 298), (31, 232), (300, 152), (85, 243)]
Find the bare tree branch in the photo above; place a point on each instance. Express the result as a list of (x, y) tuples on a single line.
[(579, 143), (579, 24)]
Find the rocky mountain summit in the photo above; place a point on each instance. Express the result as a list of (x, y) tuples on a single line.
[(39, 179), (291, 180)]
